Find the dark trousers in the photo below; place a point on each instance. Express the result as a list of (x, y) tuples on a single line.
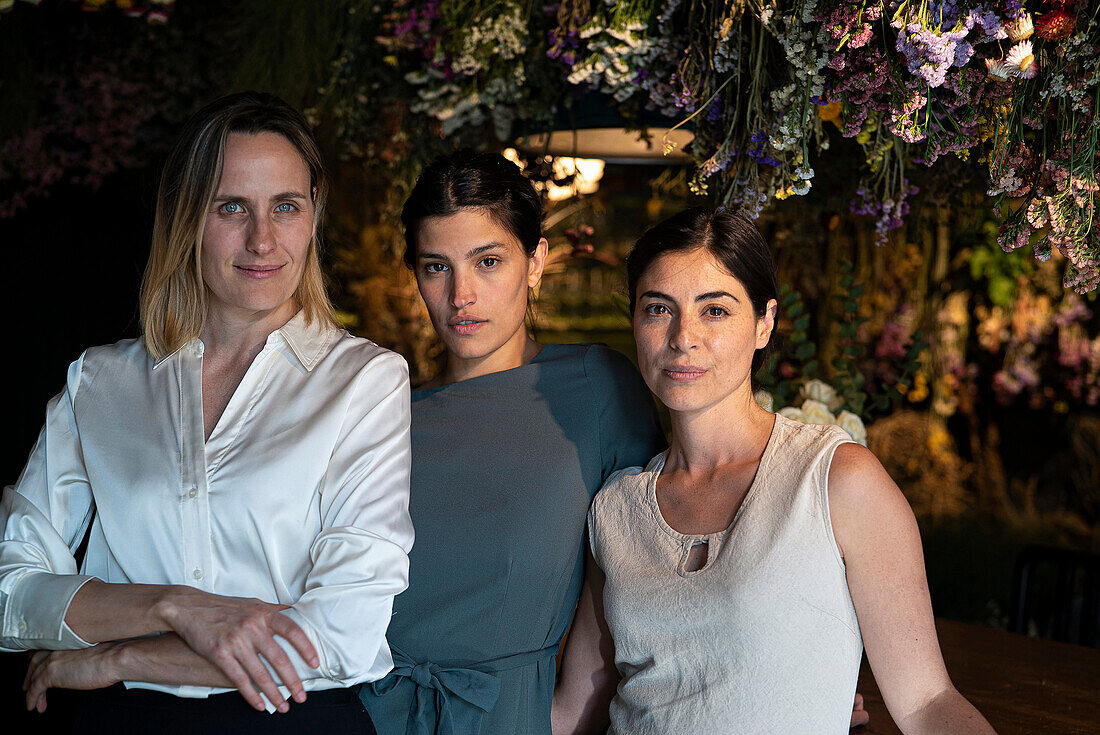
[(116, 710)]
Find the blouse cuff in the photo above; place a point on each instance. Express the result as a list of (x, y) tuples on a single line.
[(34, 613)]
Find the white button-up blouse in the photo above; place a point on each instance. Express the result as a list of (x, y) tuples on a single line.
[(299, 497)]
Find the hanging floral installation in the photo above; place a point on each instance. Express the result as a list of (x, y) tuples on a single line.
[(1005, 87)]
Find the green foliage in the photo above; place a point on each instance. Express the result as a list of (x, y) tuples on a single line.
[(1000, 271), (799, 346), (798, 360), (848, 380)]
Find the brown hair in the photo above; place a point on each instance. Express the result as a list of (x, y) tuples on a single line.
[(732, 239)]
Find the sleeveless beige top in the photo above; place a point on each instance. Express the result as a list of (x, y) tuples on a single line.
[(762, 638)]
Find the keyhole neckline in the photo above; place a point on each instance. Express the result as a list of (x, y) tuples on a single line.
[(716, 540)]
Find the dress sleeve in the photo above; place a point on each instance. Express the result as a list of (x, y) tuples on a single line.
[(629, 432), (43, 517), (360, 559)]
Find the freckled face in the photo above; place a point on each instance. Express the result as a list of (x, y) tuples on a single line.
[(474, 275), (696, 331), (257, 233)]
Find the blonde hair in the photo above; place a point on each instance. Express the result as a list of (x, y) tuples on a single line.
[(173, 297)]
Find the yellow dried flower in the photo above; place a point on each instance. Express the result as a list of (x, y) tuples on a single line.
[(829, 112)]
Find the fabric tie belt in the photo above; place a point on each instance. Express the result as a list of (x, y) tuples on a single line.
[(450, 700)]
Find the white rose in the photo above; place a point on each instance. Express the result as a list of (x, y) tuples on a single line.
[(817, 390), (853, 424), (764, 399), (816, 412), (793, 413)]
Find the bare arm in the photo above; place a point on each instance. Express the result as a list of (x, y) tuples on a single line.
[(227, 634), (163, 659), (109, 612), (588, 675), (878, 537)]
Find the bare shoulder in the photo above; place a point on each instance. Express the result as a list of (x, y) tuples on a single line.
[(855, 470), (862, 496)]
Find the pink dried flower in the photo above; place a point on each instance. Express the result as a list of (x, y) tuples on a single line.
[(1022, 60)]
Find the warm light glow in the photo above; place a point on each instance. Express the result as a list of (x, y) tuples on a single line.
[(586, 173), (662, 146)]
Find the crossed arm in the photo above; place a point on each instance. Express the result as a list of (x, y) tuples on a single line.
[(211, 640), (359, 561)]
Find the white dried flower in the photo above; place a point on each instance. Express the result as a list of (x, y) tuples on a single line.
[(1022, 61), (999, 70), (817, 390), (1020, 29)]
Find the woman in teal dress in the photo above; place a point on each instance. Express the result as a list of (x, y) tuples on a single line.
[(509, 445)]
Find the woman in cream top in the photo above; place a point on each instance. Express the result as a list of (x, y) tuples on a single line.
[(746, 565)]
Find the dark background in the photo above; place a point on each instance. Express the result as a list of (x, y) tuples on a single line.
[(71, 273)]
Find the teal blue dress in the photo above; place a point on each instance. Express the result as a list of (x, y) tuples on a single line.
[(504, 468)]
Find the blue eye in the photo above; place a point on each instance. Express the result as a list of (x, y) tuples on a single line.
[(285, 207), (435, 267), (231, 208)]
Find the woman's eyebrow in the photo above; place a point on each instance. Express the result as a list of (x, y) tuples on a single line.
[(248, 200), (715, 295), (481, 249), (657, 295), (289, 195), (472, 253)]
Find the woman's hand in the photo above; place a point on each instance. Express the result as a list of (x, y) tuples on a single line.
[(859, 715), (233, 632), (87, 668)]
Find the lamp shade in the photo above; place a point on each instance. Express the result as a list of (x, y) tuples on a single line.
[(590, 128)]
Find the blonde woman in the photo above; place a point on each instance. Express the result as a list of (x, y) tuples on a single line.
[(244, 468)]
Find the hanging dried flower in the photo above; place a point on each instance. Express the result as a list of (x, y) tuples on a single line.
[(1019, 29), (1055, 25), (1022, 61), (998, 70), (830, 111)]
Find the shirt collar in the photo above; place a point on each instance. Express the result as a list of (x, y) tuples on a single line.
[(308, 343)]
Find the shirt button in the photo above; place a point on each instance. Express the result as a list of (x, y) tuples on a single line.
[(197, 574), (22, 627), (192, 492)]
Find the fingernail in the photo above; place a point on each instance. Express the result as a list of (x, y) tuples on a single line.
[(284, 707)]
